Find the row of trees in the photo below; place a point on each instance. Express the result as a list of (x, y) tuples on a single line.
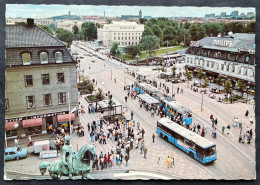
[(175, 33)]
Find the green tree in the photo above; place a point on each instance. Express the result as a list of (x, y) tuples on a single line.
[(75, 30), (89, 30), (149, 43), (200, 75), (193, 32), (147, 31), (109, 21), (188, 76), (90, 87), (163, 69), (98, 25), (218, 81), (250, 28), (157, 31), (227, 87), (133, 50), (58, 30), (187, 38), (186, 25), (169, 34), (65, 36), (206, 81), (201, 32), (142, 21), (100, 95), (114, 47), (241, 87), (173, 71), (47, 28)]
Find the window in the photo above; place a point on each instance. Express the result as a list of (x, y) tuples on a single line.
[(129, 38), (58, 57), (28, 79), (132, 33), (245, 71), (217, 66), (237, 57), (47, 99), (133, 38), (239, 70), (118, 33), (44, 58), (129, 43), (45, 79), (203, 63), (30, 102), (7, 105), (118, 38), (122, 38), (222, 67), (207, 63), (125, 43), (247, 59), (227, 68), (60, 77), (229, 56), (114, 33), (252, 73), (191, 60), (233, 69), (132, 43), (212, 64), (216, 55), (208, 53), (62, 98), (26, 59), (219, 54), (125, 38)]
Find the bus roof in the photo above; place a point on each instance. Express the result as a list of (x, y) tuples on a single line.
[(147, 98), (197, 139), (148, 87), (178, 107)]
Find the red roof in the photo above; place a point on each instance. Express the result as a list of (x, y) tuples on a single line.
[(10, 125), (65, 117), (32, 122)]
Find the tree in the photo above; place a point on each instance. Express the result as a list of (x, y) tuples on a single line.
[(114, 47), (147, 31), (218, 81), (142, 20), (206, 81), (193, 31), (250, 28), (89, 30), (187, 38), (98, 25), (65, 36), (173, 71), (109, 21), (168, 33), (133, 50), (157, 31), (241, 87), (47, 28), (90, 87), (149, 43), (100, 95), (201, 33), (227, 87), (75, 30), (200, 75), (163, 69), (188, 76)]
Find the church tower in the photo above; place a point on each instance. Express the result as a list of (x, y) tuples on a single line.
[(140, 14)]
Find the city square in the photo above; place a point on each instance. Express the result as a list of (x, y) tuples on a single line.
[(113, 101)]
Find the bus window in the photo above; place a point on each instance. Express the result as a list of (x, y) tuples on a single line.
[(190, 143), (189, 115), (199, 152), (210, 151)]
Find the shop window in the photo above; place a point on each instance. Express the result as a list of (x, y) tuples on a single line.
[(44, 57), (7, 105), (26, 58), (28, 79), (229, 56), (10, 133), (33, 130), (208, 53), (30, 102), (45, 79), (239, 70), (58, 57), (219, 54), (62, 98), (216, 55), (245, 72), (47, 99)]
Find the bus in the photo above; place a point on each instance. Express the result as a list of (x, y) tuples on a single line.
[(174, 109), (142, 88), (194, 145)]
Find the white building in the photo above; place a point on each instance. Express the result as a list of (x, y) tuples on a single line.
[(231, 57), (125, 33), (45, 22)]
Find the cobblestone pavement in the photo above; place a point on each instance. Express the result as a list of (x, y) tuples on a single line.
[(235, 160)]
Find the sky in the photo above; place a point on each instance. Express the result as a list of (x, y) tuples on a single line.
[(45, 11)]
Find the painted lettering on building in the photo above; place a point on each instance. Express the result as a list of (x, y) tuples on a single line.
[(225, 43)]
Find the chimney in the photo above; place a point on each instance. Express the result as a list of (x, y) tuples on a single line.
[(30, 22)]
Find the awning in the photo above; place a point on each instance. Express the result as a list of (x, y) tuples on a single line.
[(10, 125), (65, 117), (32, 122)]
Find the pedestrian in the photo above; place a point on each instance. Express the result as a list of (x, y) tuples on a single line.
[(145, 152), (236, 122), (240, 137), (153, 137), (138, 125), (168, 162), (88, 126), (223, 129), (247, 112), (126, 99), (216, 121), (211, 117), (16, 143), (172, 160), (126, 159), (158, 161), (203, 132), (132, 115), (143, 133), (251, 120), (30, 141), (198, 128), (228, 129)]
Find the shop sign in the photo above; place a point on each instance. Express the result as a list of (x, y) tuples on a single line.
[(226, 43), (37, 116)]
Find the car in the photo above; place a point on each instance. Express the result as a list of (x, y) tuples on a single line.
[(15, 153)]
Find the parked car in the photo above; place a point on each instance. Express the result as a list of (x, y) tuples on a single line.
[(15, 153)]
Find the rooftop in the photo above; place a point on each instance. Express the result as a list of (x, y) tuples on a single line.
[(29, 36)]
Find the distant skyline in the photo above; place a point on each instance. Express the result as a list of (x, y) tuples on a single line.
[(45, 11)]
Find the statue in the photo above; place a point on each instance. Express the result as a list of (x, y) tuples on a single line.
[(72, 163)]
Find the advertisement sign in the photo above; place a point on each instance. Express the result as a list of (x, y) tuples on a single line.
[(182, 144), (48, 154)]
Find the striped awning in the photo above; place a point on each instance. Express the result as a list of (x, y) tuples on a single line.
[(32, 122), (65, 117), (10, 125)]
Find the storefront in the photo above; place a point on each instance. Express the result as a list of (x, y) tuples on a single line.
[(64, 119), (33, 126), (11, 129)]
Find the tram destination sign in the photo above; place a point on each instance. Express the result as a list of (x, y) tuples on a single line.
[(225, 43), (37, 116)]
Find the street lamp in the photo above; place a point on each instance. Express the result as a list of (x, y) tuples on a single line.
[(137, 56), (202, 100)]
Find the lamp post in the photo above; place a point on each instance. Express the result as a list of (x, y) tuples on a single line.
[(202, 100), (137, 56)]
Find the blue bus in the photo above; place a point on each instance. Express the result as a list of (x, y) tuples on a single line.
[(142, 88), (191, 143), (174, 109)]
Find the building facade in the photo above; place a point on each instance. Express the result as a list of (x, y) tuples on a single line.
[(41, 84), (231, 57), (124, 33)]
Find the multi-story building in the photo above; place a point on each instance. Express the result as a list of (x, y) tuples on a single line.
[(231, 57), (234, 14), (45, 22), (125, 33), (41, 82), (223, 14)]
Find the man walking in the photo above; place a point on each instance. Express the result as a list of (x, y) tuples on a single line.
[(126, 159), (143, 133), (145, 152), (172, 160), (168, 162), (30, 141), (126, 99), (132, 115), (223, 129), (153, 137)]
